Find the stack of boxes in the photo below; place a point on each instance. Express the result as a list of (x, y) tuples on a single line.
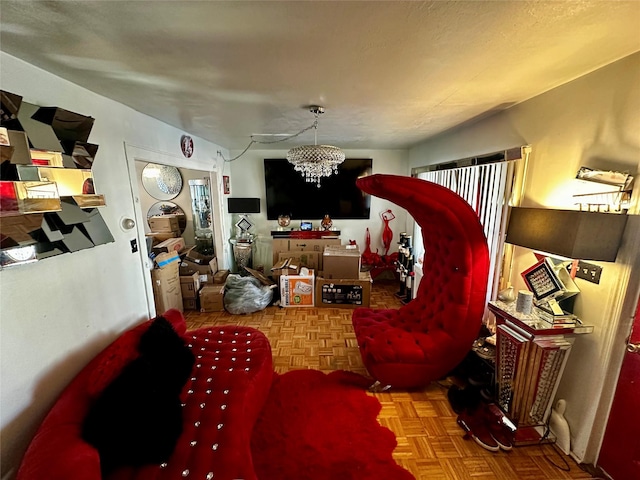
[(201, 282), (189, 283), (342, 283), (166, 282), (164, 227), (307, 279), (339, 283)]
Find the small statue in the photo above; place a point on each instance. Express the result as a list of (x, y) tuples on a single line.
[(326, 222), (387, 233), (508, 295)]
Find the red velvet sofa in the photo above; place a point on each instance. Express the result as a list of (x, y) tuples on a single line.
[(426, 338), (228, 386)]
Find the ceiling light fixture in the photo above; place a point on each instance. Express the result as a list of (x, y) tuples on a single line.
[(315, 161)]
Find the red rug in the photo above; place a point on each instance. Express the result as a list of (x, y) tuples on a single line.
[(323, 427)]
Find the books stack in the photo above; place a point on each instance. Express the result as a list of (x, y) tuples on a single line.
[(554, 320)]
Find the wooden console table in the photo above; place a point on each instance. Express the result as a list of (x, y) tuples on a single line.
[(530, 360), (305, 234)]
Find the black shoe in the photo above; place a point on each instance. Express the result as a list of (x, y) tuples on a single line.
[(462, 399)]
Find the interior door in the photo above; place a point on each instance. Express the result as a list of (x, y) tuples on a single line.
[(620, 453)]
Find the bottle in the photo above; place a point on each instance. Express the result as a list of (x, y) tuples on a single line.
[(409, 281), (400, 266)]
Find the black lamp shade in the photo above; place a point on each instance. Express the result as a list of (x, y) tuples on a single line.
[(243, 205), (568, 233)]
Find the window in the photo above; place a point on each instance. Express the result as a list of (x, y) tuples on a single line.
[(488, 183)]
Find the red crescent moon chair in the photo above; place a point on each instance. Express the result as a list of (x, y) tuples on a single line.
[(426, 338)]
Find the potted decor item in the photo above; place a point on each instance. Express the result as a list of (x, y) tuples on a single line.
[(283, 221)]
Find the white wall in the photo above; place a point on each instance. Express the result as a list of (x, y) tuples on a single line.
[(592, 121), (58, 313), (247, 180)]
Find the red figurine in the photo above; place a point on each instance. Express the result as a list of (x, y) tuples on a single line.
[(387, 233)]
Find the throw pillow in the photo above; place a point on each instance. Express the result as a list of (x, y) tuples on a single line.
[(137, 419)]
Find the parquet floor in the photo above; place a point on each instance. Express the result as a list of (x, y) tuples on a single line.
[(430, 443)]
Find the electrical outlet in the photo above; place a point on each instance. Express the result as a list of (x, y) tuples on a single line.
[(587, 271)]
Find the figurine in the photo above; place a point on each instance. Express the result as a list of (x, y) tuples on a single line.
[(387, 233), (326, 222)]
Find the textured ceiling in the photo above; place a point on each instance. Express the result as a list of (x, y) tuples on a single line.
[(390, 74)]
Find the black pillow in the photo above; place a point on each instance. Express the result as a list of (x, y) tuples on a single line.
[(137, 419), (162, 346)]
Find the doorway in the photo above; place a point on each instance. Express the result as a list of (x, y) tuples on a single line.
[(144, 204)]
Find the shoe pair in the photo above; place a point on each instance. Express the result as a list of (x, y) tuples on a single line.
[(485, 425)]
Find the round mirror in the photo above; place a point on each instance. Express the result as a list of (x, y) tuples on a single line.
[(162, 182), (168, 208)]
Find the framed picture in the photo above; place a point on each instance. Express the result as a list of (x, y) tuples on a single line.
[(244, 224), (186, 145), (226, 185), (542, 280)]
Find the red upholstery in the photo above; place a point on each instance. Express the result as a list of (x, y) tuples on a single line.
[(423, 340), (229, 384)]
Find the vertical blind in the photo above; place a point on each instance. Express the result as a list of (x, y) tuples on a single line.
[(487, 189)]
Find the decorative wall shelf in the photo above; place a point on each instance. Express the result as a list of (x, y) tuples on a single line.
[(47, 192)]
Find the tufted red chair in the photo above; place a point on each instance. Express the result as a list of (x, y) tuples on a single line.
[(424, 339)]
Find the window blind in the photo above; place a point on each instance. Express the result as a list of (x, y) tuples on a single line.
[(487, 189)]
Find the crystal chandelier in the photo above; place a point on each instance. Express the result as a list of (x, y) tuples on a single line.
[(316, 161)]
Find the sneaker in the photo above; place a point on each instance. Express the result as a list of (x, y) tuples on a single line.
[(499, 430), (502, 436), (475, 426)]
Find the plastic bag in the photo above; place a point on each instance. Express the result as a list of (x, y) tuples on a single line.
[(246, 295)]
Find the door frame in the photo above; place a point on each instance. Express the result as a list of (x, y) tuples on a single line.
[(633, 337), (624, 306), (138, 153)]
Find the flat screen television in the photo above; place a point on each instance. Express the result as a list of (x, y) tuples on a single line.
[(338, 196)]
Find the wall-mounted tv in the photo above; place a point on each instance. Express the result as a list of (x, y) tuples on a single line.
[(289, 194)]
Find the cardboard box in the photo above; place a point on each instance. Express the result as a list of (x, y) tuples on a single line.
[(166, 288), (212, 298), (169, 245), (220, 277), (191, 303), (264, 280), (166, 260), (284, 267), (196, 257), (301, 259), (187, 267), (290, 263), (159, 237), (297, 290), (341, 262), (190, 285), (344, 293), (164, 223), (283, 245)]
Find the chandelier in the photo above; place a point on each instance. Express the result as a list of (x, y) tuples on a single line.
[(315, 161)]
